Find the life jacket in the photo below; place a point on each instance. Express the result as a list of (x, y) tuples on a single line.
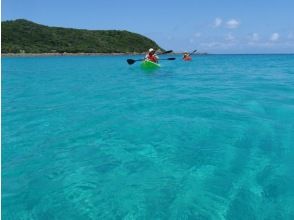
[(152, 58), (187, 57)]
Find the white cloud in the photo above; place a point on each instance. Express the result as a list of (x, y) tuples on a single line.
[(275, 37), (233, 23), (217, 22), (254, 37), (230, 37)]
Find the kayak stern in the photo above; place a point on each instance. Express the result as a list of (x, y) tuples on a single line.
[(149, 65)]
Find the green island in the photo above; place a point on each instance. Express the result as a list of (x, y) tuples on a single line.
[(22, 36)]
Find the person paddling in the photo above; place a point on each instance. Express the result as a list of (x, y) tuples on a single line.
[(151, 56), (186, 56)]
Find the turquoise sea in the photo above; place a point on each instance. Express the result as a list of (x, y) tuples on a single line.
[(91, 137)]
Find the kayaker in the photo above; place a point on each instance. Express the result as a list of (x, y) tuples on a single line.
[(186, 56), (151, 56)]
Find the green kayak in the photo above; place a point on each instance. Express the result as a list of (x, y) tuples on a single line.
[(149, 65)]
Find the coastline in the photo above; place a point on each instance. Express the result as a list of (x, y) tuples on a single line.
[(64, 54), (80, 54)]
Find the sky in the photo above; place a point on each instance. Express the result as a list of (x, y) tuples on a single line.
[(213, 26)]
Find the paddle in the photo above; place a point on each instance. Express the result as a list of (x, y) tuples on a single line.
[(192, 52), (165, 52), (171, 58), (131, 61)]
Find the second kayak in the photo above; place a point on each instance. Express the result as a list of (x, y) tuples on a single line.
[(187, 58), (149, 65)]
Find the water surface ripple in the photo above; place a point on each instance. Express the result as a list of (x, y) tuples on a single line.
[(95, 138)]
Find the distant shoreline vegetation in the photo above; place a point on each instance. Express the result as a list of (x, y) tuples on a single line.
[(81, 54), (65, 54), (24, 37)]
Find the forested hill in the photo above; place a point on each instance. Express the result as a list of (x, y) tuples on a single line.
[(22, 36)]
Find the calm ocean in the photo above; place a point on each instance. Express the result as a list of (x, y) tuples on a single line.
[(95, 138)]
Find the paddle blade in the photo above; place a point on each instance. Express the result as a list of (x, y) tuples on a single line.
[(193, 52), (131, 61), (168, 51), (171, 58)]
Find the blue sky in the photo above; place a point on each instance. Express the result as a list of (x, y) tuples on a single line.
[(214, 26)]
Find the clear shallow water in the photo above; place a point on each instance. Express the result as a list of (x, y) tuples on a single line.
[(95, 138)]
